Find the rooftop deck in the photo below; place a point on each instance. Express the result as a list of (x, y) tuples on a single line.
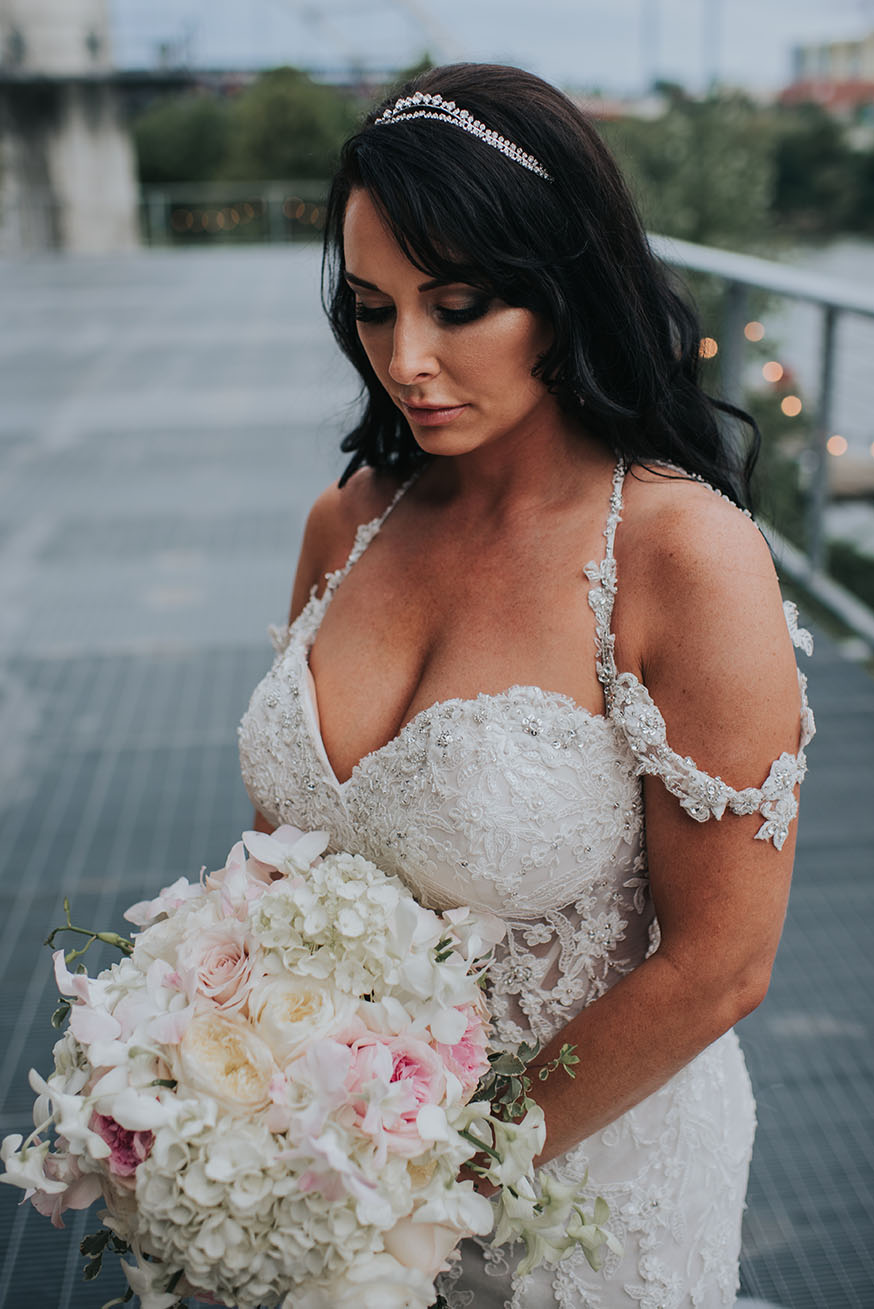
[(167, 419)]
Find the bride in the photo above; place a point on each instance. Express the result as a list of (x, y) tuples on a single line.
[(533, 601)]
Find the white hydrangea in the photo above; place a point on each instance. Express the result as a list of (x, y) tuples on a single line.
[(273, 1091)]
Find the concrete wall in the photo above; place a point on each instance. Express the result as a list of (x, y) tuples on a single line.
[(56, 37), (67, 167)]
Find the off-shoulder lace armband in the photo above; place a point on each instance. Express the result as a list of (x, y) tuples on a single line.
[(701, 795)]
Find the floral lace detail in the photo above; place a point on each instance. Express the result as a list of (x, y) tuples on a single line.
[(631, 707), (528, 805)]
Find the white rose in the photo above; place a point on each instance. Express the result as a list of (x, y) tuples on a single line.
[(290, 1013), (224, 1058), (421, 1246), (374, 1281)]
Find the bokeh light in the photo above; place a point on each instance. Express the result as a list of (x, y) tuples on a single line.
[(772, 372), (708, 347), (836, 445), (791, 406), (754, 331)]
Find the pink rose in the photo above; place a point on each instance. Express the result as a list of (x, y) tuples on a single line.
[(224, 971), (468, 1058), (127, 1149), (390, 1080)]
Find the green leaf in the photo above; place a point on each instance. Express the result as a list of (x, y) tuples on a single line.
[(507, 1065), (117, 1245), (93, 1268), (95, 1243), (60, 1014), (602, 1211)]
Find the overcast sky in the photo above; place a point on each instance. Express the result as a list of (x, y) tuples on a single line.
[(617, 45)]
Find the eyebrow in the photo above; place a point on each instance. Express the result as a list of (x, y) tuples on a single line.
[(369, 286)]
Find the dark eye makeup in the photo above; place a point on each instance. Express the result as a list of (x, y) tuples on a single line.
[(467, 314)]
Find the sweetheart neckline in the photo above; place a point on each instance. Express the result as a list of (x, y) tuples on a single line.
[(314, 720)]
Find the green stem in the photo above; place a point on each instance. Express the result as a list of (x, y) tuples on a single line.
[(108, 938), (480, 1145)]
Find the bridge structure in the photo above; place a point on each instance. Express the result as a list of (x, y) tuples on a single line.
[(68, 175), (67, 166)]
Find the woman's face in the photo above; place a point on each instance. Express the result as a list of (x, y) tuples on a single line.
[(456, 361)]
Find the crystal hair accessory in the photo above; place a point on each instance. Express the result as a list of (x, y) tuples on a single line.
[(423, 105)]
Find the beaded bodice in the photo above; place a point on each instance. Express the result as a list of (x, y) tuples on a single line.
[(522, 803)]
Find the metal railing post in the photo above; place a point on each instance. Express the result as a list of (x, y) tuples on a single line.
[(818, 493), (156, 209), (275, 216), (734, 317)]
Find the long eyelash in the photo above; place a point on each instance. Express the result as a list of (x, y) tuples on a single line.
[(366, 314), (468, 314)]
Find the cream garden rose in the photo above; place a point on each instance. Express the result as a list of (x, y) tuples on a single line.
[(290, 1013), (225, 1058)]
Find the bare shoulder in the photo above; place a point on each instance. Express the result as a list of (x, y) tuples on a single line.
[(331, 526), (339, 511), (696, 554), (704, 621), (687, 522)]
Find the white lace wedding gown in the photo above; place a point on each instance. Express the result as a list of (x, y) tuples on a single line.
[(527, 805)]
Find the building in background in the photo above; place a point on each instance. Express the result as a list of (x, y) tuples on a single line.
[(839, 75), (67, 168)]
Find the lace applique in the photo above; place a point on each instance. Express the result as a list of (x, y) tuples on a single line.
[(631, 707)]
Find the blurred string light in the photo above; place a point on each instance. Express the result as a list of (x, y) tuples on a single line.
[(837, 445), (707, 347), (226, 218), (772, 372), (754, 331), (791, 406)]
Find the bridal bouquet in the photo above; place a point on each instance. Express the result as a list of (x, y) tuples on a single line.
[(275, 1088)]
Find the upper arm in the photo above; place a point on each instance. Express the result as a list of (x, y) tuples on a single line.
[(720, 667)]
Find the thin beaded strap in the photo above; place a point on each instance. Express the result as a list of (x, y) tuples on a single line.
[(364, 534), (602, 596)]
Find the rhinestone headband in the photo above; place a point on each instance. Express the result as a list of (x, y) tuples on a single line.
[(422, 105)]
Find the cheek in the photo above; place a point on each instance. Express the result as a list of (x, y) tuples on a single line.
[(506, 350)]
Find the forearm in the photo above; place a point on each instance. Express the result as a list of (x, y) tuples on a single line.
[(630, 1042)]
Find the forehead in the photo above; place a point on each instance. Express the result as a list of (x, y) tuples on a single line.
[(367, 238)]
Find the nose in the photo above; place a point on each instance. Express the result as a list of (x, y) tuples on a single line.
[(413, 357)]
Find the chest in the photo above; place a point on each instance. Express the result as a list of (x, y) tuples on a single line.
[(412, 628)]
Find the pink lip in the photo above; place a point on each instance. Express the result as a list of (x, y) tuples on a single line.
[(432, 415)]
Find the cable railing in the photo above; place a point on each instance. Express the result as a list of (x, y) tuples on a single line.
[(836, 361)]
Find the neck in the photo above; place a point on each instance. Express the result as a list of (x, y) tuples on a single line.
[(528, 470)]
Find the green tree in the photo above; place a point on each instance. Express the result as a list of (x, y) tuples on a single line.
[(183, 139), (703, 171), (287, 126), (816, 178)]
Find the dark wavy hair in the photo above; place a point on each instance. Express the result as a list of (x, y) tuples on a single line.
[(625, 354)]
